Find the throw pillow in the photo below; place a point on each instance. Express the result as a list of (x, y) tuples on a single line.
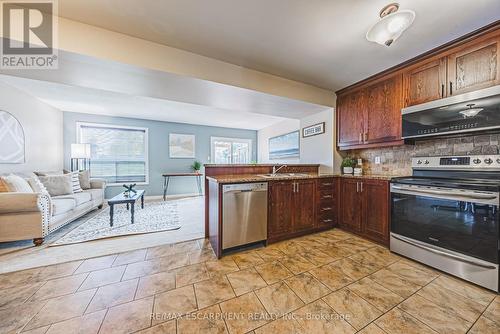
[(37, 185), (84, 177), (4, 187), (58, 185), (17, 184), (75, 180)]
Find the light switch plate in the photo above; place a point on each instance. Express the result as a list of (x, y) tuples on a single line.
[(378, 160), (360, 161)]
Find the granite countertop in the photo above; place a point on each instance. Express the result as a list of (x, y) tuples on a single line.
[(243, 178)]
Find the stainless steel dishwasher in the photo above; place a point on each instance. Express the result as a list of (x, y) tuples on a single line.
[(244, 214)]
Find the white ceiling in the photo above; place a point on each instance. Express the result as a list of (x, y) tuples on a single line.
[(321, 42)]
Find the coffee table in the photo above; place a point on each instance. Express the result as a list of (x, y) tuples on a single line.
[(129, 200)]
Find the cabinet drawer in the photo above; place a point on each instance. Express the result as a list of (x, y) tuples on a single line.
[(326, 184), (326, 196)]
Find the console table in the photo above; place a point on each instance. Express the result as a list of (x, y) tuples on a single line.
[(167, 176)]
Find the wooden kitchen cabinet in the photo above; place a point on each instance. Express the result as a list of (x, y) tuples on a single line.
[(365, 208), (425, 82), (327, 198), (281, 202), (304, 205), (473, 67), (350, 114)]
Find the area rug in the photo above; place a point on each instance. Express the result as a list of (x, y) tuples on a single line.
[(155, 217)]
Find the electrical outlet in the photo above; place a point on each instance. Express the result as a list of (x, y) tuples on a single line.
[(378, 161)]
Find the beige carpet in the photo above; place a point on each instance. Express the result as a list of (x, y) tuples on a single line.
[(191, 217)]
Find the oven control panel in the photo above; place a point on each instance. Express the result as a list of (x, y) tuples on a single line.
[(488, 162)]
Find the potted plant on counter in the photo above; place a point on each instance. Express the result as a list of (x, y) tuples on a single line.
[(196, 166), (348, 165)]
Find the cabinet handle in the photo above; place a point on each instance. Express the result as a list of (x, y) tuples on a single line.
[(327, 184), (298, 187), (451, 88), (365, 137), (361, 186), (357, 187), (442, 90), (326, 209), (360, 137), (295, 187), (327, 196), (327, 220)]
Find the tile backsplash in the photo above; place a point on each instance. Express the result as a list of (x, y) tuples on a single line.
[(397, 160)]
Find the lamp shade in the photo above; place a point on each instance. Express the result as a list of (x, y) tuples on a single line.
[(390, 27), (80, 151)]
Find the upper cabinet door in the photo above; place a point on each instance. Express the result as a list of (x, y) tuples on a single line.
[(474, 67), (350, 109), (383, 112), (424, 83)]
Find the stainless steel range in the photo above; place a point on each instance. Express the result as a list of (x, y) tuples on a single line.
[(446, 216)]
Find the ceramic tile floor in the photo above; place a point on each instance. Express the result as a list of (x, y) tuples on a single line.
[(330, 282)]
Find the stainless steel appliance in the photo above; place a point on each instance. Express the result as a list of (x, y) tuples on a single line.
[(474, 111), (446, 216), (244, 214)]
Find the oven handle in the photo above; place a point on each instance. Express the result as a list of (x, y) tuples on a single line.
[(436, 192), (440, 252)]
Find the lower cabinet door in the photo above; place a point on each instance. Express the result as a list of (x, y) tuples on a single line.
[(350, 214), (281, 200), (305, 205), (376, 210)]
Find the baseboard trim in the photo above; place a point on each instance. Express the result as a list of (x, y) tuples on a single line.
[(176, 196)]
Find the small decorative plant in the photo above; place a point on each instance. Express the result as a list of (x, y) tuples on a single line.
[(348, 164), (196, 166)]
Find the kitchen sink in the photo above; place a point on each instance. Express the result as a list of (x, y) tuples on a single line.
[(268, 176)]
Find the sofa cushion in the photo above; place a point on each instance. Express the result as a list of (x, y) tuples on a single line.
[(4, 187), (18, 184), (58, 184), (79, 198), (84, 177), (75, 180), (96, 194), (62, 205)]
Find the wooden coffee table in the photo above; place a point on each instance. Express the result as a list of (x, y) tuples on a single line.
[(122, 199)]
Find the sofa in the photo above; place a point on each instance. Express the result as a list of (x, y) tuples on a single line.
[(25, 215)]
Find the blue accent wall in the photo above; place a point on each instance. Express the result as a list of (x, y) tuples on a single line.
[(159, 161)]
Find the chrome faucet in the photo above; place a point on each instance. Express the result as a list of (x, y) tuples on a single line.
[(275, 170)]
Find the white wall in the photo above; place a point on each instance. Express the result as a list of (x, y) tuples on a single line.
[(263, 136), (43, 130), (319, 149)]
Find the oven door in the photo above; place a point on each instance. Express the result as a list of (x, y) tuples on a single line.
[(463, 221)]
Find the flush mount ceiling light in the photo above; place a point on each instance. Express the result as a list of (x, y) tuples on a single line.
[(471, 111), (391, 25)]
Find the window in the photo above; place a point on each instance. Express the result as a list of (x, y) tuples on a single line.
[(230, 150), (119, 154)]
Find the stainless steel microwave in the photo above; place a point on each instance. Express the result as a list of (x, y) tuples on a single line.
[(470, 112)]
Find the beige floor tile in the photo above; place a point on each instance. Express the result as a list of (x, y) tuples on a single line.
[(129, 317), (185, 247), (278, 299), (17, 278), (357, 311), (398, 322), (246, 260), (144, 268), (317, 257), (269, 254), (368, 260), (372, 329), (17, 295), (213, 291), (41, 330), (318, 317), (375, 294), (191, 274), (156, 283), (465, 289), (130, 257), (438, 318), (58, 270), (159, 251), (59, 287), (493, 311), (383, 254), (97, 263), (351, 246), (467, 308), (221, 267), (283, 325), (395, 283), (113, 294), (168, 327), (199, 256), (244, 313), (485, 326), (88, 324), (246, 280), (174, 303), (102, 277), (273, 272), (411, 273), (352, 269), (206, 321), (62, 308), (331, 277), (334, 251), (12, 319), (307, 287), (297, 264)]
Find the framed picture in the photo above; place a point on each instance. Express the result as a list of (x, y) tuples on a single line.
[(286, 146), (313, 130), (181, 146)]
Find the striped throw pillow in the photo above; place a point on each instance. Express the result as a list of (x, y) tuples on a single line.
[(4, 187), (75, 180)]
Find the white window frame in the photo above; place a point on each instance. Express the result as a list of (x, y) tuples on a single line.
[(232, 140), (104, 125)]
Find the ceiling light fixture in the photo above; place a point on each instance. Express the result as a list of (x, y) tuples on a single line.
[(471, 112), (391, 25)]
